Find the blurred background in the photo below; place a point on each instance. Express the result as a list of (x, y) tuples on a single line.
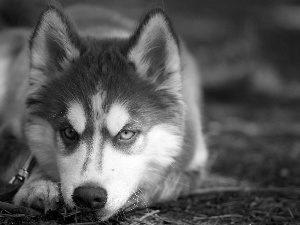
[(243, 46)]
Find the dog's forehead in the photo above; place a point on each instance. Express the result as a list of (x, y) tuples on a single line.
[(113, 117)]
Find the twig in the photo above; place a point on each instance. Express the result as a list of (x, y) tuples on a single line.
[(219, 217), (19, 209), (140, 220), (219, 189), (85, 223), (292, 215), (137, 221), (245, 189), (149, 214), (65, 214), (12, 215), (168, 221)]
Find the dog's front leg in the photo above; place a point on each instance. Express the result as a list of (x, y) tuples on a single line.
[(38, 192)]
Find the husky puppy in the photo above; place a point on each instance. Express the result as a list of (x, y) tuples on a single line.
[(110, 113)]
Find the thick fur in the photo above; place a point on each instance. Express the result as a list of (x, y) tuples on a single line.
[(105, 80)]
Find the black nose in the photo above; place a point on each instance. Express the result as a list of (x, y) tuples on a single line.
[(91, 197)]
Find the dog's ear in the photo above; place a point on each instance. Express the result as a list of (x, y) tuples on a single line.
[(154, 50), (53, 46)]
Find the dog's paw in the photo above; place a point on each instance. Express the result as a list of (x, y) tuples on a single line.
[(41, 195)]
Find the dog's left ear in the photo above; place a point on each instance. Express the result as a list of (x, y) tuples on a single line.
[(154, 50), (54, 43)]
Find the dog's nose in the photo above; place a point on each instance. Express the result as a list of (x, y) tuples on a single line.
[(89, 196)]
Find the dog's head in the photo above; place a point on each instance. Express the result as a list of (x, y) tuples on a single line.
[(104, 117)]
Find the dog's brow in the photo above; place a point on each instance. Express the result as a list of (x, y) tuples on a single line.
[(117, 118), (76, 116), (97, 104)]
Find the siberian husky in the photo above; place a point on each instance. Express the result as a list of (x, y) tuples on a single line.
[(110, 113)]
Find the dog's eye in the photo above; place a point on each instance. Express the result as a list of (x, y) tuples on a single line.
[(70, 134), (126, 135)]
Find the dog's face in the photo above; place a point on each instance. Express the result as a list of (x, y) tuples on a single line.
[(104, 117)]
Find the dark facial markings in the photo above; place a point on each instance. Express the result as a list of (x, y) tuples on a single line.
[(106, 137), (103, 66)]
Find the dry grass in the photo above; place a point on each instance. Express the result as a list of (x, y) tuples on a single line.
[(256, 206)]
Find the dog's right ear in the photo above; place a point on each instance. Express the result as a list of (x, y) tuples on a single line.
[(155, 52), (53, 45)]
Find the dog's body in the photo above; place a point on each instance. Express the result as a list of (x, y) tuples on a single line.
[(110, 114)]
